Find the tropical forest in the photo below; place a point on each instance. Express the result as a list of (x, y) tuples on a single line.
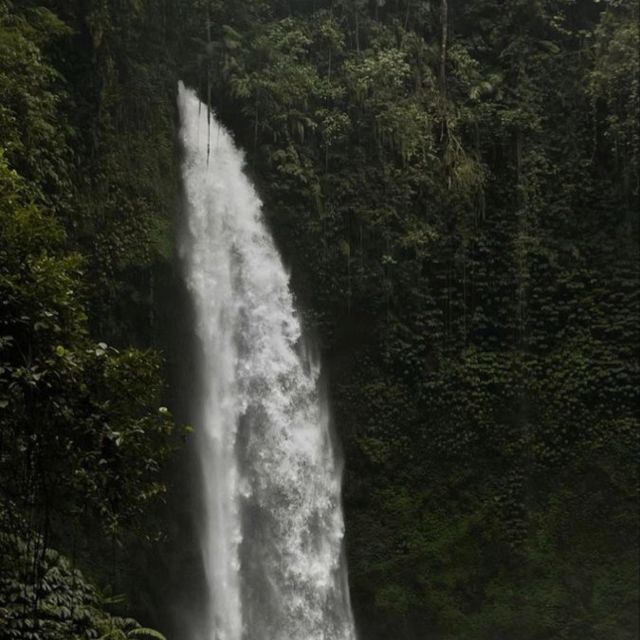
[(319, 319)]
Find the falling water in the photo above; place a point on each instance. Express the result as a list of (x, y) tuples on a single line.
[(272, 522)]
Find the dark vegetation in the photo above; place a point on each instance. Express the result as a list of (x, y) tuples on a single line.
[(455, 185)]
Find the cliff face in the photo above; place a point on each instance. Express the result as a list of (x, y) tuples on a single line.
[(459, 226)]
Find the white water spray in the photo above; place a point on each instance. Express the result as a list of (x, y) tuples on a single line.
[(273, 528)]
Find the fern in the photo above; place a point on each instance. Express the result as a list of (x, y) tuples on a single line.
[(143, 632)]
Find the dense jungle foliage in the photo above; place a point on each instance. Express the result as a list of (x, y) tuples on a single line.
[(455, 185)]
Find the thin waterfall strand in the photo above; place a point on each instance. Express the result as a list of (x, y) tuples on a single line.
[(272, 526)]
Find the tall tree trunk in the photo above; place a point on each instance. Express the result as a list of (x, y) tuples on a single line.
[(444, 21), (356, 11), (406, 16)]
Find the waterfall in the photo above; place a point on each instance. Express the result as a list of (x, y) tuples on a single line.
[(272, 525)]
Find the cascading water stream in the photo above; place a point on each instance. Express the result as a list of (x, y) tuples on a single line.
[(272, 521)]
